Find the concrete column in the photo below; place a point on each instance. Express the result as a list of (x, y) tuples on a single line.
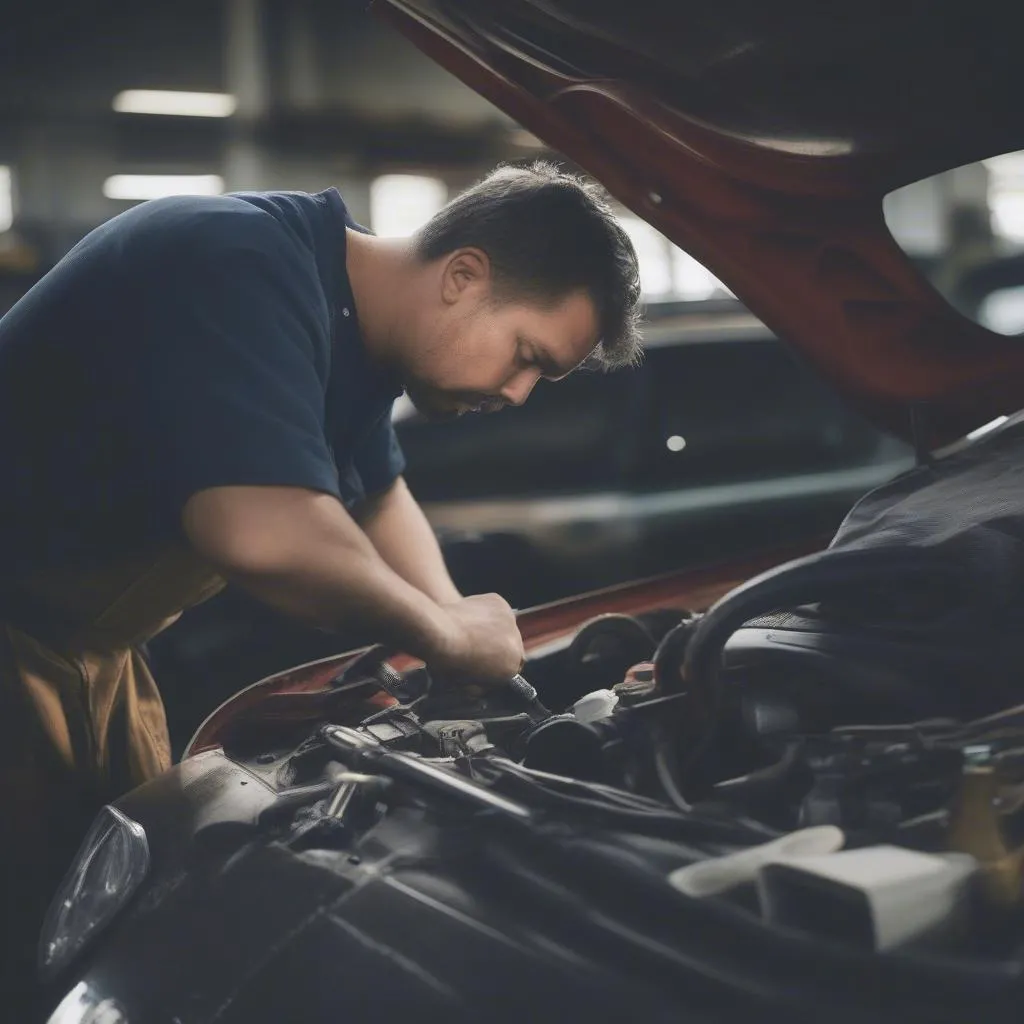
[(247, 76), (301, 58)]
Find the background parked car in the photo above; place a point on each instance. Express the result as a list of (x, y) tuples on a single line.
[(719, 440)]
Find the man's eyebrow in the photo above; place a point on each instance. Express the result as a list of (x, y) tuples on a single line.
[(548, 366)]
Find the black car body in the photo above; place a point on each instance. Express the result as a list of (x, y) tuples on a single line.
[(459, 899)]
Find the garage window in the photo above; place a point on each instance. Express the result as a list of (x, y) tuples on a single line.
[(400, 204), (666, 271)]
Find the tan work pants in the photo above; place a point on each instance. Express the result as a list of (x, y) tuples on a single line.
[(81, 722)]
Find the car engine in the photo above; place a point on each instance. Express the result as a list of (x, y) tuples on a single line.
[(665, 809), (766, 797)]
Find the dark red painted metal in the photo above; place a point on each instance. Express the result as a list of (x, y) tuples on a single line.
[(305, 693), (798, 234)]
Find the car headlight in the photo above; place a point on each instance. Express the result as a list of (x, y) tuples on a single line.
[(110, 864)]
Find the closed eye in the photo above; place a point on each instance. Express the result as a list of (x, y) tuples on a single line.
[(530, 355), (549, 369)]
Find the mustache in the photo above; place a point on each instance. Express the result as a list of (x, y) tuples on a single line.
[(491, 405)]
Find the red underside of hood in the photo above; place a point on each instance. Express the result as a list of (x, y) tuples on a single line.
[(761, 137)]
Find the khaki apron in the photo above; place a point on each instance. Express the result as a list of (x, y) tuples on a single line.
[(81, 721)]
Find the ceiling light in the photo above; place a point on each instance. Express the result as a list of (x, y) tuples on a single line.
[(675, 443), (179, 104), (156, 186)]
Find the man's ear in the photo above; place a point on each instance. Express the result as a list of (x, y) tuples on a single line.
[(465, 270)]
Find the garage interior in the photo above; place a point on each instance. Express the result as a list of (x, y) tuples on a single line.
[(107, 105), (721, 445)]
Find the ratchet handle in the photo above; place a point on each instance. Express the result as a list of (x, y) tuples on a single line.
[(528, 694)]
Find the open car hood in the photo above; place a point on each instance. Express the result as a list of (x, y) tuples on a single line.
[(762, 138)]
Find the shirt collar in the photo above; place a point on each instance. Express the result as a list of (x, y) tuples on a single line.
[(378, 379)]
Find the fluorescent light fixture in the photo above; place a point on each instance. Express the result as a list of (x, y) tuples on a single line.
[(6, 198), (400, 204), (156, 186), (177, 104), (987, 428)]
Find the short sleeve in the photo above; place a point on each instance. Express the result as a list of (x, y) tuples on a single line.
[(228, 371), (378, 459)]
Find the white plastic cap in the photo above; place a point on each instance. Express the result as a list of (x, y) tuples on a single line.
[(595, 706), (888, 894)]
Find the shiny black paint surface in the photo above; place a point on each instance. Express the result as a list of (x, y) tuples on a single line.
[(434, 915)]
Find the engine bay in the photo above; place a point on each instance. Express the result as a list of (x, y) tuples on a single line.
[(843, 823)]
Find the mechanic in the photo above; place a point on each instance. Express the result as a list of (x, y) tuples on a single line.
[(200, 392)]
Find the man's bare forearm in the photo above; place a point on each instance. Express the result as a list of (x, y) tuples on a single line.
[(303, 554), (399, 531)]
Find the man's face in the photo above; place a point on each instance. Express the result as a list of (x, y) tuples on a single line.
[(472, 353)]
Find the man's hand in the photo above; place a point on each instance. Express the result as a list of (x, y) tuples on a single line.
[(485, 647)]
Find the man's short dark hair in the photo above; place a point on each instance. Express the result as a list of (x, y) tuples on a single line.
[(548, 233)]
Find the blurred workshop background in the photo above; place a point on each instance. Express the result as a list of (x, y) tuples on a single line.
[(719, 442)]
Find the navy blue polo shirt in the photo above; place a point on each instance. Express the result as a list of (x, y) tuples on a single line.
[(188, 343)]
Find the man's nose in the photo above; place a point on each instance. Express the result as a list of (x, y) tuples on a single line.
[(518, 389)]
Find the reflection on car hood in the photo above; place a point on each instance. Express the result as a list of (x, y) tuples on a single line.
[(762, 138)]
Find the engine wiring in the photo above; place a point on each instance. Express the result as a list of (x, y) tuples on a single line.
[(652, 732), (595, 799), (611, 807), (692, 664)]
